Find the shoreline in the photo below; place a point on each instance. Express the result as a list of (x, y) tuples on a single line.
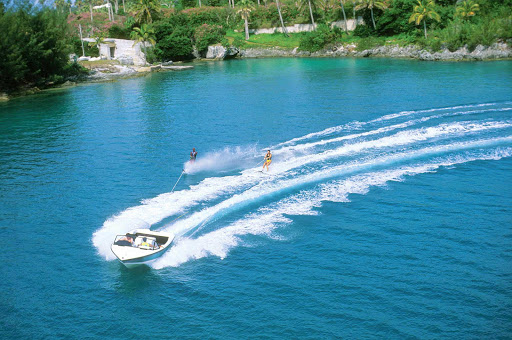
[(497, 51), (110, 72)]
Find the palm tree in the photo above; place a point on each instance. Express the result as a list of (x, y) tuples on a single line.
[(98, 40), (370, 4), (423, 10), (281, 17), (60, 5), (311, 14), (90, 8), (354, 2), (145, 10), (344, 15), (144, 33), (466, 8), (246, 7), (310, 6), (91, 4)]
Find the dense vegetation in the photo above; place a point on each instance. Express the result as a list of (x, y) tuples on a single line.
[(33, 49), (36, 42), (182, 25)]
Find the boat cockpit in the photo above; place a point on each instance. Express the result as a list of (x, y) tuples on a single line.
[(139, 241)]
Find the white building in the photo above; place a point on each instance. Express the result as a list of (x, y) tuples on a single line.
[(127, 52)]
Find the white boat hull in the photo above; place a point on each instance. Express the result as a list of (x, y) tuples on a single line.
[(132, 254)]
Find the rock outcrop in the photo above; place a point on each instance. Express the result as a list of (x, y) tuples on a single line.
[(220, 52)]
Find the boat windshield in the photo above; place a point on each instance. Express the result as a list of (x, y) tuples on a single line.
[(124, 240)]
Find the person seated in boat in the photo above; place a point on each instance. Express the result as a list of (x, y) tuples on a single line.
[(138, 241), (125, 241), (148, 243), (145, 243)]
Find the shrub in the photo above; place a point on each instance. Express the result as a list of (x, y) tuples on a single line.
[(173, 38), (239, 42), (435, 44), (34, 48), (76, 45), (369, 43), (174, 47), (207, 15), (316, 40), (395, 20), (363, 31), (75, 70), (461, 33), (206, 35), (118, 32), (130, 23), (151, 56)]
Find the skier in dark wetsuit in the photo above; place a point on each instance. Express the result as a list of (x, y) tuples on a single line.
[(193, 155)]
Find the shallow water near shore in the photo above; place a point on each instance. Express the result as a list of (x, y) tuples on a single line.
[(386, 212)]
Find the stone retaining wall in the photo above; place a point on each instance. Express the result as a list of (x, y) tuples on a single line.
[(297, 28)]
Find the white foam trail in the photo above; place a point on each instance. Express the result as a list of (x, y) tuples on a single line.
[(155, 210), (269, 187), (267, 219), (408, 113), (349, 126), (357, 125), (301, 147), (399, 139), (226, 159)]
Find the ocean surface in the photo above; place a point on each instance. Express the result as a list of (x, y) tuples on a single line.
[(386, 213)]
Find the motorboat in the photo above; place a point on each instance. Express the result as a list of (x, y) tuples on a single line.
[(141, 246)]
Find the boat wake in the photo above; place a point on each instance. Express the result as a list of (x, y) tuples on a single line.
[(228, 209)]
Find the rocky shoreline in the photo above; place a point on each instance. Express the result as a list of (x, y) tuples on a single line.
[(217, 52), (497, 51)]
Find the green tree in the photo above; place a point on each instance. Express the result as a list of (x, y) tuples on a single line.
[(354, 5), (281, 18), (371, 4), (246, 7), (92, 3), (33, 48), (466, 9), (344, 14), (423, 10), (146, 10), (143, 34), (98, 40), (310, 5)]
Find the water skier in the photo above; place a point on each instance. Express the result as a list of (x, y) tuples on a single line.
[(193, 155), (267, 160)]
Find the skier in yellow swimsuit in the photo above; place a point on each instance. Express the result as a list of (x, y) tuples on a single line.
[(268, 160)]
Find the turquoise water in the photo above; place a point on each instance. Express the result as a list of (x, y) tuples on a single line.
[(386, 212)]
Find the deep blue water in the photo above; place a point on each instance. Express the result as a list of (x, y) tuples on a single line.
[(386, 213)]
